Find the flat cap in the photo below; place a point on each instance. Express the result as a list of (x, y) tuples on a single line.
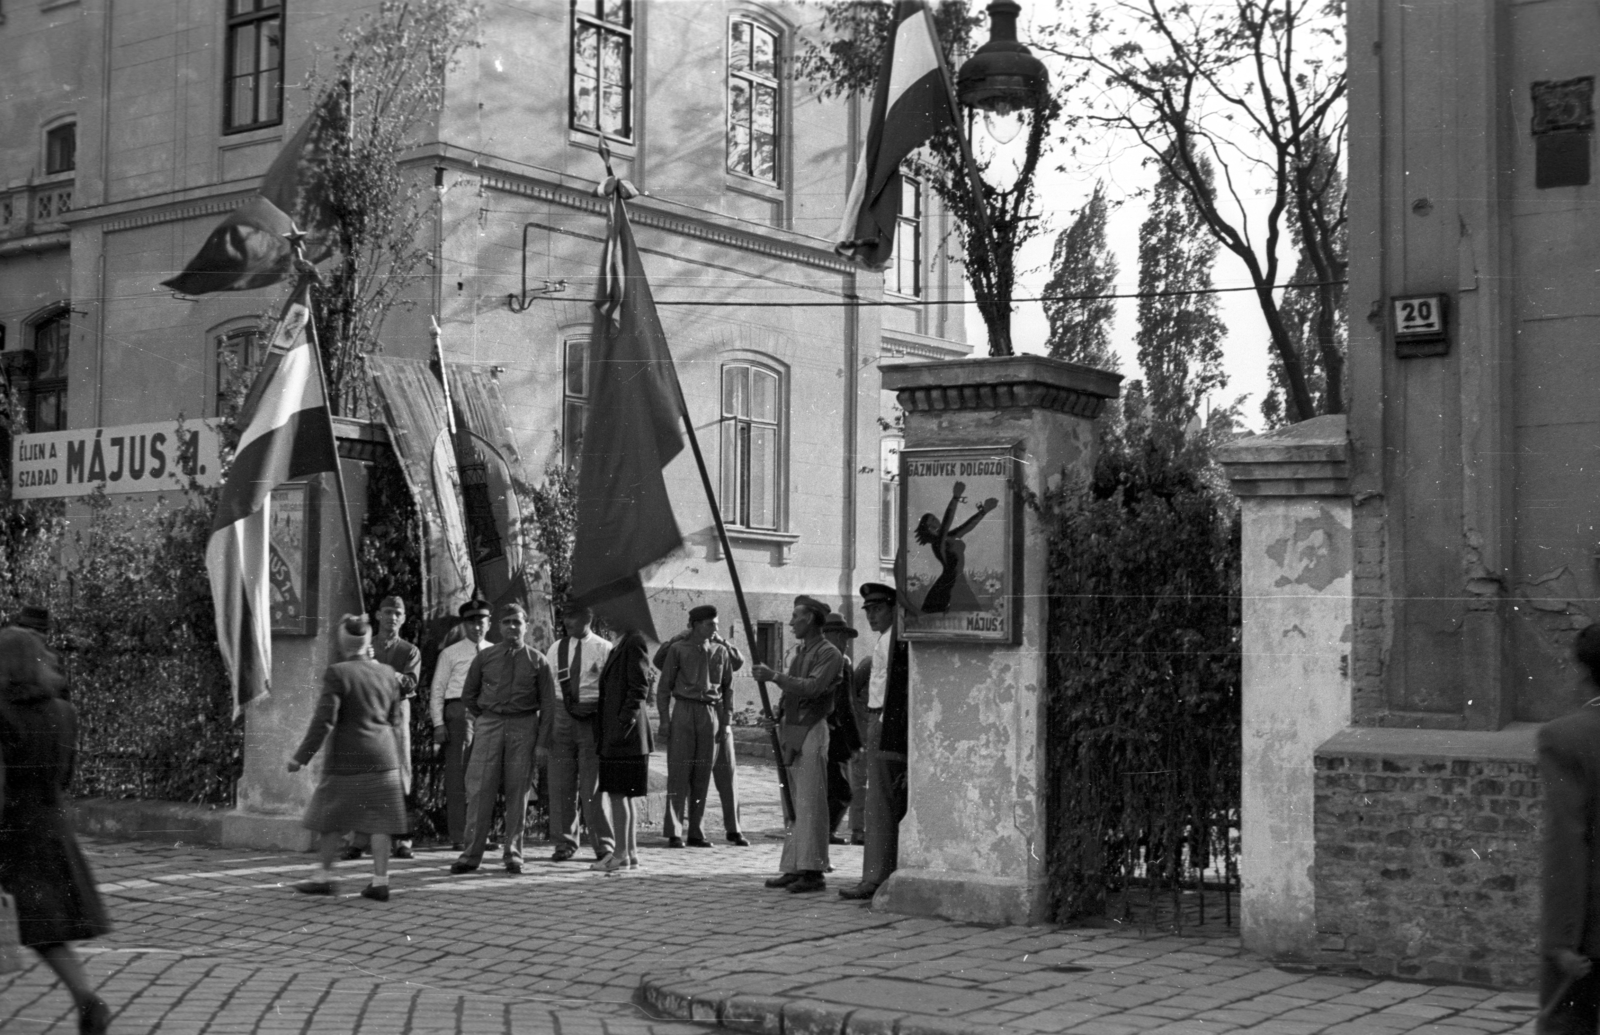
[(513, 610), (835, 623), (813, 605)]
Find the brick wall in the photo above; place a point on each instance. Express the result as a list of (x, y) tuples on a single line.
[(1372, 612), (1428, 866)]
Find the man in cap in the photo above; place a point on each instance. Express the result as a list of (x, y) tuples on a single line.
[(844, 740), (567, 736), (406, 660), (504, 688), (888, 679), (452, 726), (724, 765), (695, 689), (808, 689)]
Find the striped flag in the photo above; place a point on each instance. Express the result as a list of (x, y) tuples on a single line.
[(288, 433), (911, 104)]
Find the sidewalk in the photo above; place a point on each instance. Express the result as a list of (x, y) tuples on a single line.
[(215, 941)]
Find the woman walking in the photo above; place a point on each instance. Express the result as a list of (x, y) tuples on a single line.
[(623, 741), (41, 865), (360, 789)]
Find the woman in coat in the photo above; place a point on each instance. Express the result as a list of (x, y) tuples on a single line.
[(41, 865), (359, 716), (623, 741)]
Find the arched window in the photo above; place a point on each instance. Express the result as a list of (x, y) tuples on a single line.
[(752, 445), (754, 51)]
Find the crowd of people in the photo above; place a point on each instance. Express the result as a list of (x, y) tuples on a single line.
[(580, 711)]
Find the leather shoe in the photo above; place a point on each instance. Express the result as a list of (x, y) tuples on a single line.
[(783, 880), (739, 840), (674, 842), (835, 839), (808, 882), (315, 887), (462, 867), (513, 866), (699, 842), (376, 893), (402, 851), (562, 853), (94, 1017), (350, 853), (858, 893)]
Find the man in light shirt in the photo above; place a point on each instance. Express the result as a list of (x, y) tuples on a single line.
[(567, 735), (888, 678), (452, 726), (693, 693)]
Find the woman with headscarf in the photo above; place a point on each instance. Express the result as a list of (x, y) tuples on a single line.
[(360, 717), (41, 865), (623, 741)]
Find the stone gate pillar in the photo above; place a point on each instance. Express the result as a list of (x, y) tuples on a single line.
[(972, 846), (1295, 580)]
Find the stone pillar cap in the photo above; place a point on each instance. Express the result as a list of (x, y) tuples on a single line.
[(997, 382), (1311, 458)]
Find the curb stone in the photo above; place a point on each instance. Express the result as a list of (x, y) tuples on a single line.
[(681, 998)]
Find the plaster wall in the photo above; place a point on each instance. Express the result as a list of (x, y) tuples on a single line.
[(1296, 592)]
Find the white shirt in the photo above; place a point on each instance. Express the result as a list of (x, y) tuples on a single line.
[(450, 674), (878, 682), (596, 649)]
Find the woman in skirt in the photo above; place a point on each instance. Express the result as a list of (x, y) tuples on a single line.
[(623, 741), (40, 863), (359, 715)]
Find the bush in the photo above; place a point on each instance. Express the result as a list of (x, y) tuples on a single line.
[(1143, 712)]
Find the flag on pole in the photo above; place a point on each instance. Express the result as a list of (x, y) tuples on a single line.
[(250, 249), (288, 433), (911, 104), (631, 432)]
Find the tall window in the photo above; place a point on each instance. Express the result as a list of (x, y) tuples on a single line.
[(905, 276), (239, 355), (753, 100), (750, 445), (47, 392), (602, 67), (575, 401), (254, 85), (889, 497), (61, 149)]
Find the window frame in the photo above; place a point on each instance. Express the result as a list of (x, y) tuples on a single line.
[(910, 187), (754, 81), (889, 545), (51, 135), (263, 11), (224, 336), (601, 26), (574, 403), (56, 386), (737, 513)]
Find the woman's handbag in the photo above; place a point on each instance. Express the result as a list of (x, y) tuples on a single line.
[(10, 945)]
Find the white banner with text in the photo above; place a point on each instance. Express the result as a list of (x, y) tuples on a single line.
[(131, 458)]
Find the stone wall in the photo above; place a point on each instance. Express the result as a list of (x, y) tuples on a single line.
[(1427, 859)]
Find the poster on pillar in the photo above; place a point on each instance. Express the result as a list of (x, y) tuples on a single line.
[(960, 513)]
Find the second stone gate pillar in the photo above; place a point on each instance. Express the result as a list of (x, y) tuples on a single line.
[(972, 846)]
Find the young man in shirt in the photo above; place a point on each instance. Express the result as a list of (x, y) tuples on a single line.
[(452, 726), (724, 764), (808, 689), (693, 694), (567, 735), (888, 679)]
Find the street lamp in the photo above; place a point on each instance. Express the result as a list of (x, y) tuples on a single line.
[(1003, 77)]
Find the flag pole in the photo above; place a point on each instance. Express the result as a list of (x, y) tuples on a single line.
[(308, 273), (727, 553)]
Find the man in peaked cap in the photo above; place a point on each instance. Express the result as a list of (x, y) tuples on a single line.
[(693, 694), (452, 726), (887, 676), (809, 688)]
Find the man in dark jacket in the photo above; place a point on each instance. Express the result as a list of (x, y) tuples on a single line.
[(888, 679), (1569, 766), (504, 689), (843, 738)]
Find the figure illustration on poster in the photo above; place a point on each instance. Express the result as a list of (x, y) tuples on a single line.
[(950, 591)]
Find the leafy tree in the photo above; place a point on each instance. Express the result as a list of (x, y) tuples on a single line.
[(844, 59), (1180, 335), (389, 76), (1083, 272), (1256, 87)]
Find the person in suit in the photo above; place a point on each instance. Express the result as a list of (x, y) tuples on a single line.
[(888, 678), (567, 734), (624, 743), (358, 717), (1569, 766), (844, 741)]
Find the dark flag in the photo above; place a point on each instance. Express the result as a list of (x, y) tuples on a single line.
[(632, 431), (910, 105), (249, 248)]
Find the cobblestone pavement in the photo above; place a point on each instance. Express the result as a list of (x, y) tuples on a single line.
[(215, 941)]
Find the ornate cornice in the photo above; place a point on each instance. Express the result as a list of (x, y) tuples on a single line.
[(214, 206), (1001, 383)]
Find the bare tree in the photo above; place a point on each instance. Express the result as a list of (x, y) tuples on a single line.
[(1257, 87)]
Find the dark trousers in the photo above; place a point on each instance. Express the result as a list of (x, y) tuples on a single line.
[(458, 728), (886, 807), (839, 793), (724, 774), (1578, 1012), (691, 752)]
